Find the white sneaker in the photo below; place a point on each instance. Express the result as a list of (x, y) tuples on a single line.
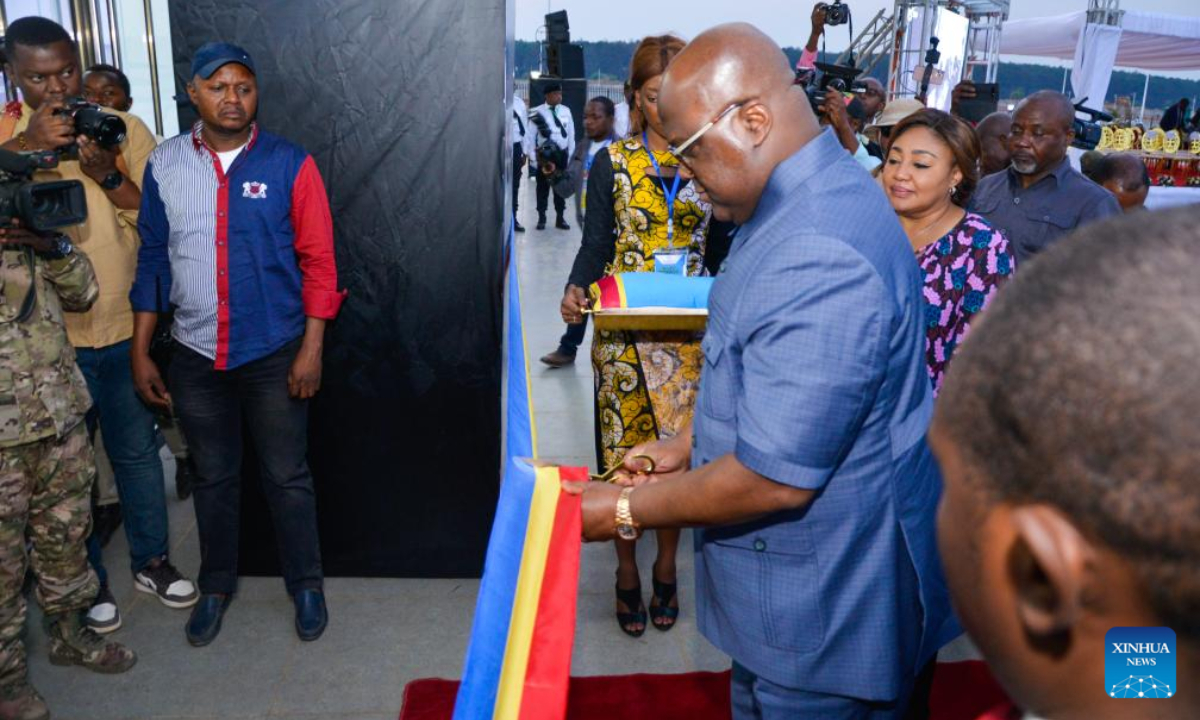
[(162, 580), (103, 617)]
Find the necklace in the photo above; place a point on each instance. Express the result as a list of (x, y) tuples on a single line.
[(918, 237)]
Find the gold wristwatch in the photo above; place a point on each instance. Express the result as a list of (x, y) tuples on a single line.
[(627, 529)]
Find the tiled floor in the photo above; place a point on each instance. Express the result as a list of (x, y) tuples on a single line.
[(382, 633)]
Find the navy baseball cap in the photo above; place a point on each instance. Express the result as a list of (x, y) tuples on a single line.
[(212, 56)]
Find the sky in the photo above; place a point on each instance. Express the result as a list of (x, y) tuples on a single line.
[(787, 21)]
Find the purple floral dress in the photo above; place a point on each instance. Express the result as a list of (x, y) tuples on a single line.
[(962, 271)]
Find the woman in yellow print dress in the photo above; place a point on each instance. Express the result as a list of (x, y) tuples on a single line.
[(639, 207)]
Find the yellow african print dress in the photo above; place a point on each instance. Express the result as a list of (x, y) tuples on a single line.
[(646, 381)]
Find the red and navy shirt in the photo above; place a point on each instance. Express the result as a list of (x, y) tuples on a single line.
[(244, 257)]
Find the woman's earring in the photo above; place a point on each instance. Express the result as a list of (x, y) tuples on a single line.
[(953, 188)]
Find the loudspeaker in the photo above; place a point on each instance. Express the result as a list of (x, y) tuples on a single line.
[(564, 60), (570, 61), (558, 30), (574, 97)]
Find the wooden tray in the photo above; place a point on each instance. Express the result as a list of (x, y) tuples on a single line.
[(651, 318)]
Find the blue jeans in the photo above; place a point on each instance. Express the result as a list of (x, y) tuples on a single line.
[(95, 558), (755, 698), (132, 447)]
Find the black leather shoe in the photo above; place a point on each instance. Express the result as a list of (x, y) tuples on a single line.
[(205, 622), (541, 222), (561, 224), (518, 227), (311, 615)]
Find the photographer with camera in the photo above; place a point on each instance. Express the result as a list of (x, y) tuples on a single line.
[(107, 152), (46, 465), (869, 91), (555, 143), (847, 117), (839, 97)]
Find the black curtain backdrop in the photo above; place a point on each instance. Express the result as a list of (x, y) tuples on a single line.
[(403, 106)]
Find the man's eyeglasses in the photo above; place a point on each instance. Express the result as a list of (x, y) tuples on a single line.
[(683, 147)]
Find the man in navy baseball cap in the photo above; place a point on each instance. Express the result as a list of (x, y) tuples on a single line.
[(212, 56), (253, 354)]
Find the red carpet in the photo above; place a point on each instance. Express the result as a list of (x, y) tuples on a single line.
[(961, 691), (691, 696)]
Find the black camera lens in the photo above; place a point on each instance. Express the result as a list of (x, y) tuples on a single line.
[(94, 123), (110, 130)]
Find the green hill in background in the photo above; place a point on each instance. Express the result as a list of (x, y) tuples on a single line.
[(610, 60)]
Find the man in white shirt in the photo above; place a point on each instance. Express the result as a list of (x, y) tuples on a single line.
[(557, 126), (621, 114), (522, 139)]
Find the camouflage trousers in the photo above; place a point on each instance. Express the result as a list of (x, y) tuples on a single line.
[(45, 494)]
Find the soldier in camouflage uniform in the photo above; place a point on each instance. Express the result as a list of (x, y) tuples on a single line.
[(46, 464)]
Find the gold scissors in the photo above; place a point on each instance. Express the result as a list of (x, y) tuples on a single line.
[(608, 476)]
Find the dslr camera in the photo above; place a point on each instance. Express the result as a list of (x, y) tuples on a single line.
[(837, 13), (40, 206), (92, 122), (547, 152)]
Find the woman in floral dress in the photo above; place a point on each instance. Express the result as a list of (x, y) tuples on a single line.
[(646, 381), (931, 169)]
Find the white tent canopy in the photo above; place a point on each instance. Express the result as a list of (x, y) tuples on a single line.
[(1148, 41)]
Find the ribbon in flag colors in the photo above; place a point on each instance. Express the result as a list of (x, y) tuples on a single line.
[(519, 659), (649, 289)]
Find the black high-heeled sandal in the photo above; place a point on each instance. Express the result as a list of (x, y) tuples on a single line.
[(631, 598), (664, 593)]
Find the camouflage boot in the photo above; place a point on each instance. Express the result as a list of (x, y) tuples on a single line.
[(22, 702), (72, 642)]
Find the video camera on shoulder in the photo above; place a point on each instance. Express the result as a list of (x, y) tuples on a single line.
[(40, 206), (843, 78), (1088, 132), (92, 122)]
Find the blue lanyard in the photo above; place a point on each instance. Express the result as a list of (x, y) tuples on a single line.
[(669, 194)]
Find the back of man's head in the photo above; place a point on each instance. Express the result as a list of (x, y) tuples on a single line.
[(1089, 164), (1125, 170), (32, 32), (1069, 434), (1125, 176)]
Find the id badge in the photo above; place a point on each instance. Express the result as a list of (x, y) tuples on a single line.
[(671, 262)]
